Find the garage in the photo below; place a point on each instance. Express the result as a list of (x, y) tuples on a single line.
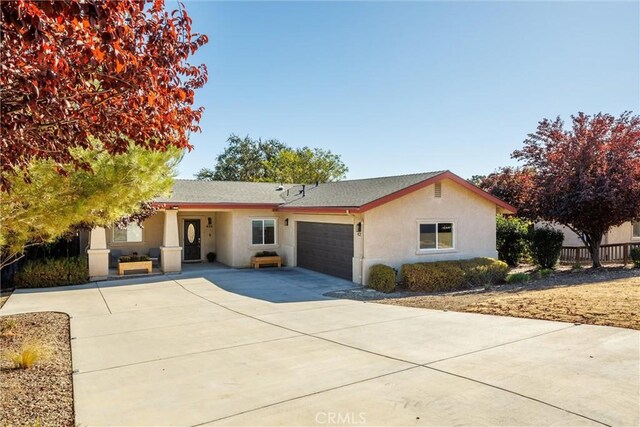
[(326, 248)]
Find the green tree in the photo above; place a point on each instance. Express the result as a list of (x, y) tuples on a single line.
[(246, 159), (305, 165), (243, 160), (477, 179), (51, 205)]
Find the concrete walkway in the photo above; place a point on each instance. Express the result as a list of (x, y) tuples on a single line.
[(243, 347)]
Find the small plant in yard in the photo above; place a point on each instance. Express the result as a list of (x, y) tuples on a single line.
[(542, 273), (7, 325), (382, 278), (577, 267), (211, 257), (28, 355), (635, 257), (518, 278)]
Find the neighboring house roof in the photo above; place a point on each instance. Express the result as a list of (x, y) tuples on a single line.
[(356, 195)]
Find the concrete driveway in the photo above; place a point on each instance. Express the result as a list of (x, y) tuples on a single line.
[(243, 347)]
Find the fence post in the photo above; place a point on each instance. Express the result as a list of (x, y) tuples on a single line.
[(577, 255), (625, 253)]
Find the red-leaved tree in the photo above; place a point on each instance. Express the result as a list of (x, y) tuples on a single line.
[(513, 185), (113, 70), (586, 177)]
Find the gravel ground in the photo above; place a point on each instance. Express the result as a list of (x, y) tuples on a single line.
[(42, 394)]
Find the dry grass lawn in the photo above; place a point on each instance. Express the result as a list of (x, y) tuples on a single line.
[(609, 303)]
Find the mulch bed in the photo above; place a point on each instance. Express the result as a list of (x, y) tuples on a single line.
[(42, 394)]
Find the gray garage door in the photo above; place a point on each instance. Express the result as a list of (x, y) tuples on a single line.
[(326, 248)]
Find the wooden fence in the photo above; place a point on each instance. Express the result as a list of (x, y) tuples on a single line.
[(618, 253)]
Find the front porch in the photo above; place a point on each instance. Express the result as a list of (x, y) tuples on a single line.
[(173, 239)]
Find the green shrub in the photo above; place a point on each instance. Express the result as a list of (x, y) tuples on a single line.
[(484, 271), (382, 278), (518, 278), (134, 258), (546, 245), (453, 275), (52, 272), (511, 239), (433, 276), (635, 256), (543, 273)]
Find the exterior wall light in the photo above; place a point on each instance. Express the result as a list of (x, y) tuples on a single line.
[(286, 222)]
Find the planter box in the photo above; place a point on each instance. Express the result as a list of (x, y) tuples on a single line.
[(256, 262), (136, 265)]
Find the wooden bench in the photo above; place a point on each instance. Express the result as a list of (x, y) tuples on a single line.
[(136, 265), (257, 261)]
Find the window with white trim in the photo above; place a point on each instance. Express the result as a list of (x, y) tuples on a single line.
[(132, 233), (263, 231), (436, 235), (636, 229)]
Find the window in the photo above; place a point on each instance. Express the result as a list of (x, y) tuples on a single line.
[(636, 230), (437, 235), (263, 231), (133, 233)]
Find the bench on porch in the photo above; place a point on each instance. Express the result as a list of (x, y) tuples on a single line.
[(137, 265), (257, 261)]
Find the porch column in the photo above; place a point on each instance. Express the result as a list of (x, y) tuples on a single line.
[(170, 251), (98, 254)]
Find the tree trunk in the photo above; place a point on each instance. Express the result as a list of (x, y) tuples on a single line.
[(594, 247)]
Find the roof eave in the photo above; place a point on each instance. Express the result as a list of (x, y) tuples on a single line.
[(207, 205), (319, 209)]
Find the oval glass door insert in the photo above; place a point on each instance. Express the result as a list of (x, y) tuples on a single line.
[(191, 233)]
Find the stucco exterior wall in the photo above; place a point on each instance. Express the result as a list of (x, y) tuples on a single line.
[(620, 234), (151, 237), (391, 231), (224, 234), (243, 249)]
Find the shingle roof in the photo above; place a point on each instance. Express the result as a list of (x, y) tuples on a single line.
[(352, 193), (195, 191), (346, 194)]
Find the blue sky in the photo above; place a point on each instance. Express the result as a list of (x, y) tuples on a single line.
[(402, 87)]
